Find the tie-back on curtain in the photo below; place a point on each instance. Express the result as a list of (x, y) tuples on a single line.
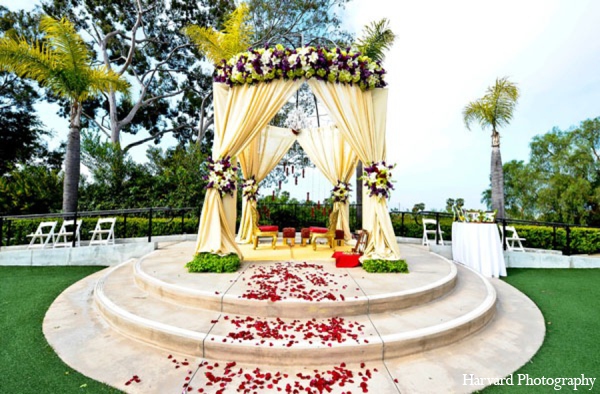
[(258, 159), (241, 112), (361, 118), (333, 156)]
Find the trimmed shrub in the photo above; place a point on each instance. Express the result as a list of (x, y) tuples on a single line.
[(385, 266), (208, 262)]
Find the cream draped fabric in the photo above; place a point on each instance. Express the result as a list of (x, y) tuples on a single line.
[(361, 117), (258, 159), (333, 156), (240, 114)]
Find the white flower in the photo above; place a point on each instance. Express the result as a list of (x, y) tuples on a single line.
[(276, 61), (313, 57), (304, 51), (373, 177), (248, 67), (266, 57), (292, 59), (381, 167), (218, 167), (371, 66), (265, 69), (251, 57)]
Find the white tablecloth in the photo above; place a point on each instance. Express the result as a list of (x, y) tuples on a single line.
[(478, 246)]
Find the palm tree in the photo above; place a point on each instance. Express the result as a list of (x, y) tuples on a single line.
[(494, 109), (376, 40), (63, 65)]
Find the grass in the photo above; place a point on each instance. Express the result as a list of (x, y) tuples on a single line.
[(568, 299), (27, 362)]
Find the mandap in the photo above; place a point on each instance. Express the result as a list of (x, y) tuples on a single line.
[(249, 90)]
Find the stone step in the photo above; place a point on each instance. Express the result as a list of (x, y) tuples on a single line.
[(206, 333), (353, 291)]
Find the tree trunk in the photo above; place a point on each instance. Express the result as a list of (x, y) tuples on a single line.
[(115, 131), (72, 160), (497, 176), (359, 194)]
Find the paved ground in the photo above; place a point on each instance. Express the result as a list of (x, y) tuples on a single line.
[(85, 341)]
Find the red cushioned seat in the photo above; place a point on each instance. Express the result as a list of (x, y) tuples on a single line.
[(305, 233), (289, 232), (268, 228), (347, 260), (319, 230)]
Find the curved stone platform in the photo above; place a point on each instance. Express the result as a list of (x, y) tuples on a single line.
[(386, 320)]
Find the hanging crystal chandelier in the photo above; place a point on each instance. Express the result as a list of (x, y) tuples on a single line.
[(296, 120)]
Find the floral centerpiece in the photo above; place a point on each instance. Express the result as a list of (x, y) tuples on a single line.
[(377, 178), (333, 65), (222, 175), (250, 188), (341, 192)]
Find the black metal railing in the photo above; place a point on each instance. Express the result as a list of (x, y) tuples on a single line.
[(408, 224), (155, 221)]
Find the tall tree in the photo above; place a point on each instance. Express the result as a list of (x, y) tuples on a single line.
[(297, 23), (495, 109), (142, 40), (63, 65)]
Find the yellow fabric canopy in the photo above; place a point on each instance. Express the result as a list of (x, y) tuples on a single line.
[(243, 112)]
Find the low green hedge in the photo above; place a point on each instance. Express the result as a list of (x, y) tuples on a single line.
[(583, 240), (208, 262), (385, 266)]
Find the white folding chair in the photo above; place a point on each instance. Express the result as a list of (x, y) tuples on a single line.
[(45, 233), (427, 231), (66, 231), (513, 241), (100, 230)]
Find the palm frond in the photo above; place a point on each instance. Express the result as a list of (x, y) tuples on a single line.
[(102, 80), (34, 61), (477, 111), (208, 41), (62, 37), (237, 32), (377, 38), (235, 37)]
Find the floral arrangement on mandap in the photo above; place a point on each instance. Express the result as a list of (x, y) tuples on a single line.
[(222, 176), (267, 64), (377, 178), (341, 192), (250, 188)]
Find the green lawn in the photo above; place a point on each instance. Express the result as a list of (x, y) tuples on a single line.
[(570, 303), (27, 363), (569, 300)]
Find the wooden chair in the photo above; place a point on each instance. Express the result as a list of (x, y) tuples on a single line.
[(101, 229), (44, 233), (329, 235), (259, 231), (62, 237)]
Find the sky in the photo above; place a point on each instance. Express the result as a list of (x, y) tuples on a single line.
[(446, 54)]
